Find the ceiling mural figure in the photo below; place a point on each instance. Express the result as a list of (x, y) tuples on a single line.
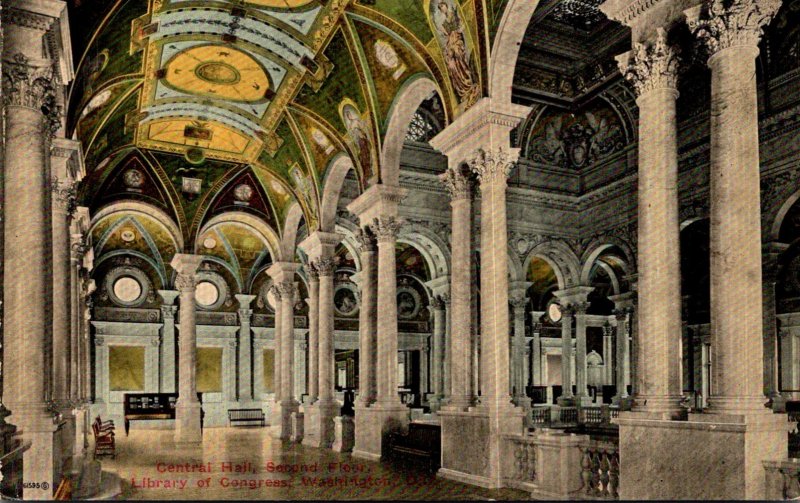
[(358, 132), (458, 55)]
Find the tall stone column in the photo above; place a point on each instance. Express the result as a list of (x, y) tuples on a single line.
[(245, 347), (29, 92), (276, 352), (437, 359), (459, 186), (385, 230), (368, 318), (582, 395), (566, 398), (448, 351), (536, 355), (623, 311), (63, 206), (188, 408), (771, 252), (653, 71), (732, 34), (282, 273), (166, 374), (378, 208), (313, 333), (318, 425), (518, 305)]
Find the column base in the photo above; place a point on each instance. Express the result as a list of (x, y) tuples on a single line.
[(565, 401), (623, 402), (659, 407), (659, 458), (373, 425), (345, 433), (583, 400), (298, 420), (777, 403), (318, 425), (281, 419), (472, 442), (188, 429), (40, 462), (739, 405)]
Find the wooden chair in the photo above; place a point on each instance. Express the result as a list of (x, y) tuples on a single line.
[(104, 444)]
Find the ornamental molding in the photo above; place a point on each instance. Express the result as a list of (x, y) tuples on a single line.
[(33, 85), (740, 24), (625, 11), (651, 67), (27, 19)]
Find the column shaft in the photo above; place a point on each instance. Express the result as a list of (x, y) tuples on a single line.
[(437, 363), (367, 322), (313, 335), (386, 229), (276, 359), (566, 353), (287, 341), (188, 422), (325, 267), (580, 352)]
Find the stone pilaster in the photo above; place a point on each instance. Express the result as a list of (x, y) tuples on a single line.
[(245, 347), (731, 32), (653, 71), (437, 359), (771, 253), (623, 308), (582, 394), (187, 408), (518, 305), (536, 355), (567, 314), (276, 348), (459, 342), (166, 374)]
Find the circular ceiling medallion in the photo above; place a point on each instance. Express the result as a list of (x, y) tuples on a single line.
[(133, 178), (128, 235), (195, 156), (210, 243), (218, 73), (243, 192)]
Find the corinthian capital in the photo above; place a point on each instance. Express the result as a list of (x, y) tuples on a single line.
[(325, 266), (366, 241), (32, 86), (286, 289), (386, 228), (740, 23), (456, 183), (650, 67), (64, 194), (184, 282), (492, 165)]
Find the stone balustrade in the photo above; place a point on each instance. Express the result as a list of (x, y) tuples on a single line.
[(782, 479), (600, 469)]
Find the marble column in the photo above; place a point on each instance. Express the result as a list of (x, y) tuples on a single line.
[(518, 305), (608, 358), (536, 355), (437, 359), (653, 70), (282, 273), (448, 351), (276, 351), (245, 347), (368, 318), (187, 408), (582, 394), (377, 208), (385, 230), (566, 398), (167, 357), (29, 95), (771, 252), (313, 333), (459, 338), (731, 35), (622, 354)]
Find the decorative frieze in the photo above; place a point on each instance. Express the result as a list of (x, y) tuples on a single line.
[(650, 67), (739, 24)]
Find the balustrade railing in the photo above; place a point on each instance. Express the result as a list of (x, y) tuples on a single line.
[(524, 450), (569, 415), (554, 416), (600, 469), (782, 479)]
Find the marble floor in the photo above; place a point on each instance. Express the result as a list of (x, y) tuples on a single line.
[(245, 463)]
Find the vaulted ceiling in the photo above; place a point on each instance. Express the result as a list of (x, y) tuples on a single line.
[(203, 106)]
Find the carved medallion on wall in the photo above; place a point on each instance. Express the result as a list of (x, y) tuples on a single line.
[(345, 300), (409, 302)]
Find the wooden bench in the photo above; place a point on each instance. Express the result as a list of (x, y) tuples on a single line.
[(423, 441), (246, 416)]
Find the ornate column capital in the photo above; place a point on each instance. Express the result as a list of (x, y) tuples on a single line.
[(32, 85), (245, 314), (651, 67), (386, 228), (437, 303), (567, 311), (492, 165), (312, 272), (276, 292), (456, 183), (285, 289), (185, 282), (168, 312), (366, 241), (446, 299), (622, 313), (580, 307), (739, 24), (79, 247), (518, 302), (64, 195), (325, 266)]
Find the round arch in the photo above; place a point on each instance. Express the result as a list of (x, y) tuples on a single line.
[(780, 216), (505, 51), (405, 105), (145, 210), (431, 246), (597, 247), (248, 221), (561, 258), (288, 244), (334, 182)]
